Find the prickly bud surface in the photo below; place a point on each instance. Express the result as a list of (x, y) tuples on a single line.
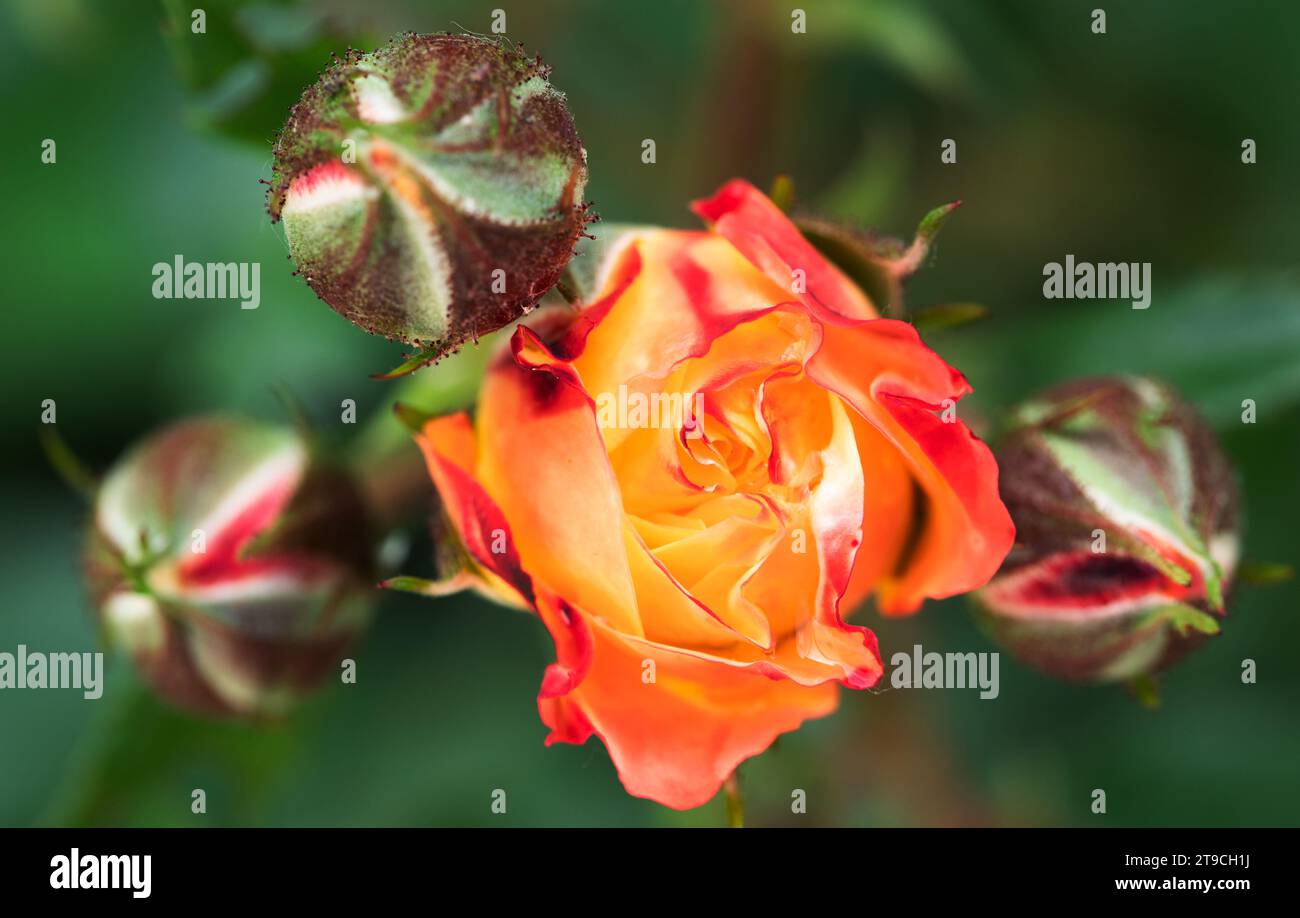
[(1126, 531), (432, 190), (232, 567)]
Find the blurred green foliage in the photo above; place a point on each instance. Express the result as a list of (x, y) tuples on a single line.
[(1117, 147)]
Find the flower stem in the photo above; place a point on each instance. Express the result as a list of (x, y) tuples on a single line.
[(735, 802)]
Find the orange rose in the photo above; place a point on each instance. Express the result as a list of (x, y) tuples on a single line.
[(690, 480)]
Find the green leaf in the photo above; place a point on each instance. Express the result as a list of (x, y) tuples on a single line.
[(915, 41), (1218, 341), (249, 64)]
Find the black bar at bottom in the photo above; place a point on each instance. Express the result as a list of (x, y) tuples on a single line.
[(217, 867)]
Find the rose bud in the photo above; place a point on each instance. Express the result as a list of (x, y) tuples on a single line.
[(231, 565), (431, 190), (694, 479), (1126, 531)]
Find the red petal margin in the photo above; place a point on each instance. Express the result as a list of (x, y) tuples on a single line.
[(899, 386), (448, 447), (671, 295), (573, 650), (747, 218), (625, 271), (676, 731)]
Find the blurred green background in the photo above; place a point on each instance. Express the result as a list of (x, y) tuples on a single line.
[(1123, 146)]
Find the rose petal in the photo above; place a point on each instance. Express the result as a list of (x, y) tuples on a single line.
[(674, 739), (450, 453), (688, 289), (541, 458), (747, 218), (896, 383)]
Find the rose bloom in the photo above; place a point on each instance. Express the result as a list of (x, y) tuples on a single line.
[(693, 569)]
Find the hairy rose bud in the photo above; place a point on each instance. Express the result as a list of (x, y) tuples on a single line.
[(431, 190), (1126, 531), (232, 567)]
